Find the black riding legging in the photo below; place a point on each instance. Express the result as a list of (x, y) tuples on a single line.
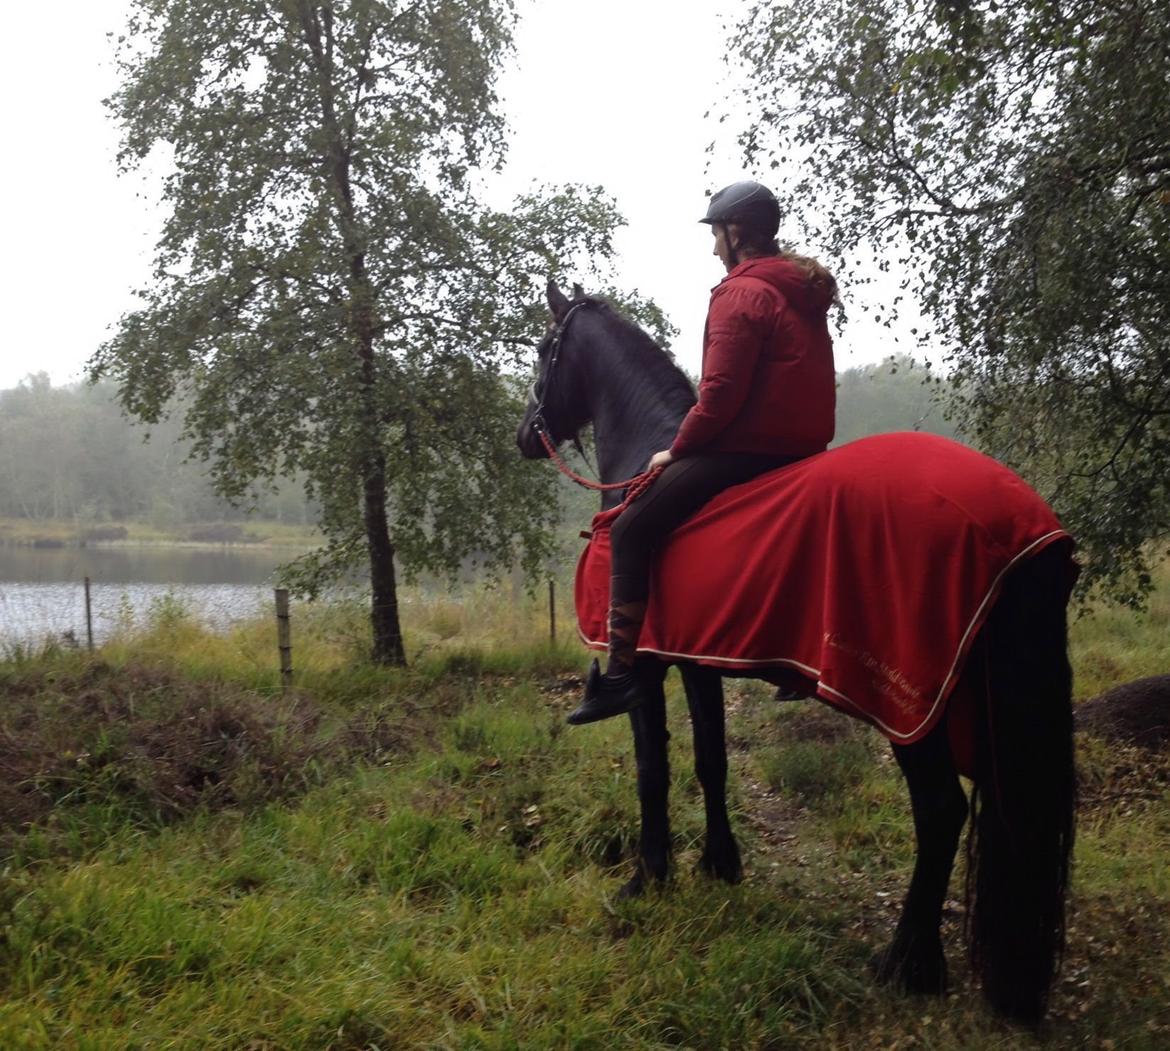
[(682, 488)]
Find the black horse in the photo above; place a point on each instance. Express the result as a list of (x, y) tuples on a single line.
[(596, 367)]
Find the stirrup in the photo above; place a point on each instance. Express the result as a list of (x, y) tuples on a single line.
[(784, 693), (607, 695)]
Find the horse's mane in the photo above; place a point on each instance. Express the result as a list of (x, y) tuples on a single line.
[(644, 360)]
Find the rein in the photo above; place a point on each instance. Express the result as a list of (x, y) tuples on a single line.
[(637, 485)]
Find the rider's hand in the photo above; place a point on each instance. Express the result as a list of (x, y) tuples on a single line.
[(660, 459)]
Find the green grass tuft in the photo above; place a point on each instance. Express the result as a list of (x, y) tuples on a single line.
[(812, 770)]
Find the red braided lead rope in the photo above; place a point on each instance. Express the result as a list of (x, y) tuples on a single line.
[(637, 485)]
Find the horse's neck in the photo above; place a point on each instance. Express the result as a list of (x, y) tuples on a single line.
[(632, 420)]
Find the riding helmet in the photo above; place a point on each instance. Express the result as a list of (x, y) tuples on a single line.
[(747, 203)]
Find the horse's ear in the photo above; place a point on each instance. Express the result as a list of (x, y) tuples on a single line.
[(578, 291), (557, 302)]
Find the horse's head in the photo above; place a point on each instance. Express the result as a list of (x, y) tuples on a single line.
[(556, 402)]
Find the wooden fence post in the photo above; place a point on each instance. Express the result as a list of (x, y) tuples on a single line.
[(284, 638), (88, 617), (552, 610)]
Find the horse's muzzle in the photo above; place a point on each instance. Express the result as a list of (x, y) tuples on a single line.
[(531, 447)]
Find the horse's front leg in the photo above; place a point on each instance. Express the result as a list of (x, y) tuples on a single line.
[(650, 740), (914, 959), (704, 689)]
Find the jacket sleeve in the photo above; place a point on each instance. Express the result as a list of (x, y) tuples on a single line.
[(739, 322)]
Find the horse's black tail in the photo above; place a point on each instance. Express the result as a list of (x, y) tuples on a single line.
[(1020, 846)]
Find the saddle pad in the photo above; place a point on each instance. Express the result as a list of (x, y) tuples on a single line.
[(868, 569)]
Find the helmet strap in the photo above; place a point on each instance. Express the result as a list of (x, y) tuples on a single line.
[(732, 250)]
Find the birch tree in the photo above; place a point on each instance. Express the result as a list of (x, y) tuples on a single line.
[(330, 295)]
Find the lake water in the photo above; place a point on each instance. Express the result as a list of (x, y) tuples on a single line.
[(42, 592)]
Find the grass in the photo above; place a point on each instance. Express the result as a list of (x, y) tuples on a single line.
[(811, 772), (1112, 644), (445, 901), (427, 857)]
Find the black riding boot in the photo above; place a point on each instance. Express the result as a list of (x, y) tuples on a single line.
[(618, 690)]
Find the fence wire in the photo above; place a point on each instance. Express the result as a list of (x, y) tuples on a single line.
[(31, 614)]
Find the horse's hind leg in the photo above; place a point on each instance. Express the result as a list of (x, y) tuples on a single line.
[(914, 958), (704, 689), (650, 742)]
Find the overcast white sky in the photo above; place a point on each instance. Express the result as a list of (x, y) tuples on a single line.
[(611, 93)]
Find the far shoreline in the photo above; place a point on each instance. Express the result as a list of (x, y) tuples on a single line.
[(52, 544), (47, 535)]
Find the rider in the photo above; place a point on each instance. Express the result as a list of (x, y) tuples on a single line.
[(766, 399)]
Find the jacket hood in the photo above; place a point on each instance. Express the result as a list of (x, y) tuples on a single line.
[(809, 292)]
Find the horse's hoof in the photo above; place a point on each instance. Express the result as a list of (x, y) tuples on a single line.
[(632, 889), (642, 880), (724, 866), (911, 969)]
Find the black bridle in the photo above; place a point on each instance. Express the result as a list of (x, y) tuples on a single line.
[(540, 388), (539, 392)]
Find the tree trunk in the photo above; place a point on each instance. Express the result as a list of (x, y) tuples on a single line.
[(387, 631), (317, 27), (388, 647)]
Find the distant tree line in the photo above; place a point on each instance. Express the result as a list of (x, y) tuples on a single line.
[(897, 394), (70, 453)]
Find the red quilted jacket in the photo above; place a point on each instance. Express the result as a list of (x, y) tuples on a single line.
[(768, 384)]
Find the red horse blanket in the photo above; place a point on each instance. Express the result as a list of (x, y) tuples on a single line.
[(868, 569)]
